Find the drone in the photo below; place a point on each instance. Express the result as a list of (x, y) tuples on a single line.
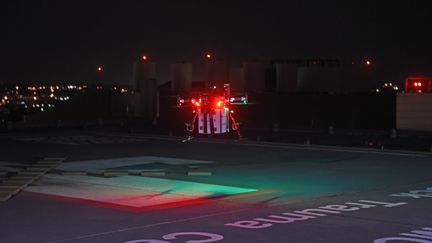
[(212, 113)]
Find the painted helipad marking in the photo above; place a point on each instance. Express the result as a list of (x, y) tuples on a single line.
[(4, 196), (25, 177), (38, 169), (74, 173), (10, 190), (102, 164), (28, 173), (14, 184), (77, 140), (9, 169), (131, 192), (153, 173), (115, 173), (199, 173)]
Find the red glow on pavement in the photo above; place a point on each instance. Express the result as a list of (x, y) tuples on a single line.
[(163, 205)]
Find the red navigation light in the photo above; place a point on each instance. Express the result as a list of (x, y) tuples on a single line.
[(368, 62), (99, 69), (144, 58), (208, 56), (196, 103), (219, 104)]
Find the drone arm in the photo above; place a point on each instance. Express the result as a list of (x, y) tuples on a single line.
[(192, 127), (235, 126)]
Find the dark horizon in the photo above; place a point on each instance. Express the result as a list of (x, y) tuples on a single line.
[(50, 40)]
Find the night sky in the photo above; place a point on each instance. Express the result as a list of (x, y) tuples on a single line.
[(66, 40)]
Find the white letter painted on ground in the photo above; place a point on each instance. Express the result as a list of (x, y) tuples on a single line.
[(343, 208), (361, 205), (211, 237), (147, 241), (390, 239), (386, 204), (249, 224), (276, 219), (421, 236), (316, 212), (298, 217), (415, 194)]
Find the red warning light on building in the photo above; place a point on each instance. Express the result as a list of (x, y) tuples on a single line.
[(144, 57), (208, 56), (418, 84)]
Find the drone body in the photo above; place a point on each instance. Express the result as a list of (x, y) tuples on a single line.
[(212, 111)]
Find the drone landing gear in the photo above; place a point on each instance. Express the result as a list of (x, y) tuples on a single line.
[(235, 127), (188, 138), (190, 127)]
